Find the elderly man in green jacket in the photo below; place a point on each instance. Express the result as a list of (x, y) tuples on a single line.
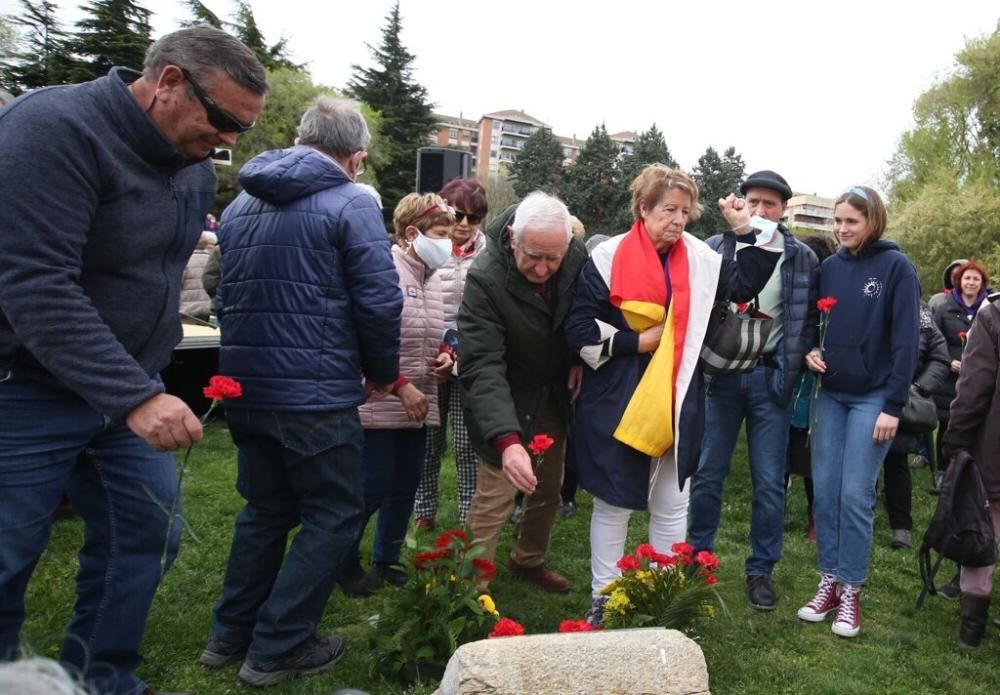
[(516, 373)]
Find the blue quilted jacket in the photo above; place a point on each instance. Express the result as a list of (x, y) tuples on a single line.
[(312, 300)]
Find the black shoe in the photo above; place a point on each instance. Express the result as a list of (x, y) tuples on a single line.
[(219, 652), (386, 573), (761, 593), (357, 583), (950, 590), (568, 509), (975, 612), (315, 655)]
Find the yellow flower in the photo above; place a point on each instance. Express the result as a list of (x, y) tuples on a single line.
[(606, 590), (487, 603), (646, 577), (618, 603)]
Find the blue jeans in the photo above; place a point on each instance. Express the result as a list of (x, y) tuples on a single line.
[(731, 398), (51, 443), (394, 460), (845, 466), (295, 469)]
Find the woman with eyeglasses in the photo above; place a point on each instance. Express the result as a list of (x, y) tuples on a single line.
[(866, 365), (468, 197)]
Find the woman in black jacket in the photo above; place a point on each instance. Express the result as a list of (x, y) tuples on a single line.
[(954, 315), (932, 374)]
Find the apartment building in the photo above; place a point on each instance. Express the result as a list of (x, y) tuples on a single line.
[(809, 212), (496, 139)]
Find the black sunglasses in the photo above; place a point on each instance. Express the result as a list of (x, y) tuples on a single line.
[(220, 120), (473, 219)]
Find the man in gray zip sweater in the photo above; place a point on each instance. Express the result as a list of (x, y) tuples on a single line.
[(105, 187)]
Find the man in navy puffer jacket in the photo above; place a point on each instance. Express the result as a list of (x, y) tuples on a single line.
[(312, 305), (103, 193)]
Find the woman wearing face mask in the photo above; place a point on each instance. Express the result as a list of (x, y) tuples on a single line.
[(396, 425), (866, 365), (468, 197)]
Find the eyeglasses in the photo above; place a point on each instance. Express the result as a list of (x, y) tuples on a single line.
[(220, 120), (472, 219)]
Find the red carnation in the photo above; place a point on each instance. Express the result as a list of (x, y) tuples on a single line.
[(506, 627), (540, 443), (962, 335), (742, 307), (220, 387), (448, 537), (711, 579), (645, 550), (421, 560), (663, 560), (682, 549), (826, 303), (576, 626), (627, 563), (706, 560), (487, 569)]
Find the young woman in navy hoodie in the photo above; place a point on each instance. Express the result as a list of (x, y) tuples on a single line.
[(866, 363)]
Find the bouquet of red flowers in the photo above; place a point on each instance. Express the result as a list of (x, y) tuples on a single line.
[(666, 590), (439, 609)]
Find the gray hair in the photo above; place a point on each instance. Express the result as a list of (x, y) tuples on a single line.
[(37, 676), (593, 241), (205, 51), (334, 126), (541, 210)]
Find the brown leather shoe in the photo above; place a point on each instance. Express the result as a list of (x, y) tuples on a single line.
[(541, 576), (424, 524)]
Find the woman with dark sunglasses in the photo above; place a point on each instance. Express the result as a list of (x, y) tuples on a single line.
[(468, 197)]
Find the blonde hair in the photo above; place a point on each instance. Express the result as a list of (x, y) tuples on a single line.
[(655, 180), (422, 211)]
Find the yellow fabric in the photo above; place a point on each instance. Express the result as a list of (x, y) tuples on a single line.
[(648, 422)]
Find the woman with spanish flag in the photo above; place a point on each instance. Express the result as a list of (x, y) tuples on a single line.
[(638, 320)]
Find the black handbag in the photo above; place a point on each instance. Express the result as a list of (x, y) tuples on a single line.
[(734, 340), (919, 414)]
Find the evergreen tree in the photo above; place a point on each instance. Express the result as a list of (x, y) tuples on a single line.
[(274, 57), (717, 177), (593, 192), (114, 32), (650, 148), (539, 166), (201, 15), (39, 56), (407, 120)]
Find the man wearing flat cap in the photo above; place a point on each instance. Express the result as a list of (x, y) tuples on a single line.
[(763, 397)]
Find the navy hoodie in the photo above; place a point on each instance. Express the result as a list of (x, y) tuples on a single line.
[(873, 334)]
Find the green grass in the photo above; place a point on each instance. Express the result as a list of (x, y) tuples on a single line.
[(900, 649)]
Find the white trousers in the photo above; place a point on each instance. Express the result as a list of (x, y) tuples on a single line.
[(668, 506)]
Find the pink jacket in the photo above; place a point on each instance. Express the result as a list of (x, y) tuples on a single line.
[(420, 340), (453, 274)]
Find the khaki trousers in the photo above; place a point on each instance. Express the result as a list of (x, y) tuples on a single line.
[(494, 501)]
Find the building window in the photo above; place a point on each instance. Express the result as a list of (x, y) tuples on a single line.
[(452, 132)]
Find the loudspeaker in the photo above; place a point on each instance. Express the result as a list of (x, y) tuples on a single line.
[(436, 166)]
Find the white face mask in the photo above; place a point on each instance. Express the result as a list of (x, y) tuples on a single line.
[(433, 252), (765, 229)]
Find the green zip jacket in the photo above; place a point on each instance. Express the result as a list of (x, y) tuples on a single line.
[(513, 356)]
